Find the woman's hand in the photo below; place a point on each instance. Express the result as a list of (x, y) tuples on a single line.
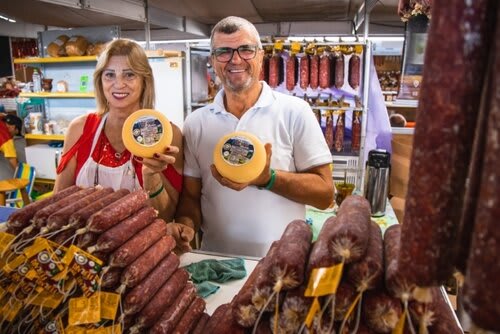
[(159, 161)]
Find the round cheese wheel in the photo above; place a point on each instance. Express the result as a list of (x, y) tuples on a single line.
[(240, 157), (146, 132)]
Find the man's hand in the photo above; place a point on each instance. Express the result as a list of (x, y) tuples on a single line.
[(182, 234)]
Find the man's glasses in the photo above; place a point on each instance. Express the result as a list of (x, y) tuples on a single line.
[(225, 54)]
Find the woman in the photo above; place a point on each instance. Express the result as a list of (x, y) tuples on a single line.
[(94, 152)]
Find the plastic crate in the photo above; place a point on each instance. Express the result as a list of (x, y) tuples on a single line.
[(9, 104)]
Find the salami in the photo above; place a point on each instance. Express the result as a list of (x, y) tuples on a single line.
[(339, 132), (111, 278), (356, 126), (304, 72), (140, 268), (162, 299), (264, 70), (381, 312), (173, 314), (293, 310), (396, 285), (314, 74), (354, 71), (274, 71), (338, 59), (329, 131), (291, 72), (324, 71), (221, 322), (200, 325), (138, 244), (124, 230), (441, 152), (79, 218), (20, 219), (190, 317), (117, 211)]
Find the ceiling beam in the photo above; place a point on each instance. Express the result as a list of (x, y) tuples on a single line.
[(164, 19), (129, 9), (305, 28)]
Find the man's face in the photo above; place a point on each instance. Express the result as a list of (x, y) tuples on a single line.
[(237, 74), (12, 129)]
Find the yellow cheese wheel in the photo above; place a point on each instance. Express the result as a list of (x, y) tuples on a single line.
[(146, 132), (240, 157)]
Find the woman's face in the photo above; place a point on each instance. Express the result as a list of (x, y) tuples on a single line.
[(122, 87)]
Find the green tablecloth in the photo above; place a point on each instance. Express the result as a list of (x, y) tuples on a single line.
[(317, 218)]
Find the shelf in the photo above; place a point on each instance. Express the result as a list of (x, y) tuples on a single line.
[(402, 131), (400, 104), (43, 137), (49, 60), (59, 95)]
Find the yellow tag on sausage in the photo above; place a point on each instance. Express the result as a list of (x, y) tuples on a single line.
[(46, 299), (278, 45), (9, 310), (86, 269), (109, 304), (324, 281), (105, 330), (295, 47), (75, 330), (84, 310), (315, 307), (400, 326), (5, 240), (352, 306)]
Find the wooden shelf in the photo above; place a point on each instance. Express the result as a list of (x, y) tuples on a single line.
[(44, 137), (48, 60), (59, 95)]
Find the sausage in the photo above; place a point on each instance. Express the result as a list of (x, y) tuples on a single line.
[(395, 283), (86, 239), (79, 218), (368, 272), (274, 71), (338, 60), (138, 244), (344, 297), (339, 133), (145, 289), (158, 253), (200, 325), (189, 319), (324, 71), (441, 152), (314, 74), (381, 312), (291, 255), (124, 230), (356, 126), (344, 237), (250, 299), (354, 71), (117, 211), (264, 70), (222, 322), (162, 299), (329, 132), (61, 217), (293, 310), (64, 238), (291, 70), (40, 218), (480, 302), (111, 278), (173, 313), (20, 219), (304, 72)]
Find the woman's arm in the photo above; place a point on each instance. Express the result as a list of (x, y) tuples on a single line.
[(165, 200), (67, 177)]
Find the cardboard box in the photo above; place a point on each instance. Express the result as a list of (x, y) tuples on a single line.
[(400, 172)]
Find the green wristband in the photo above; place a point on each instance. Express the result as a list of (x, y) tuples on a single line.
[(156, 193), (270, 184)]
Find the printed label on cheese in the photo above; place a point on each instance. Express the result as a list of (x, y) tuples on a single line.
[(237, 151), (147, 131)]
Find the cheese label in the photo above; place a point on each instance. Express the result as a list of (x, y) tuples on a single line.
[(237, 151), (147, 130)]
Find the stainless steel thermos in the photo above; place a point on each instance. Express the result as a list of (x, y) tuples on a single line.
[(377, 180)]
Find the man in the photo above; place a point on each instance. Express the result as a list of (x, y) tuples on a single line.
[(10, 126), (244, 219)]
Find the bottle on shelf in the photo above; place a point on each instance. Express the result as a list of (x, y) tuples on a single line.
[(37, 81)]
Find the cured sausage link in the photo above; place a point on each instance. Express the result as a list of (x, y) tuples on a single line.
[(162, 299), (79, 218), (441, 152), (189, 319), (173, 314), (394, 282), (222, 322), (124, 230), (304, 72), (381, 311), (200, 325), (314, 74), (20, 219), (354, 71), (117, 211), (142, 266), (61, 217), (138, 244)]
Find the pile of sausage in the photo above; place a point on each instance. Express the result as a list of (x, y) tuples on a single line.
[(273, 298), (329, 70), (123, 231), (453, 203)]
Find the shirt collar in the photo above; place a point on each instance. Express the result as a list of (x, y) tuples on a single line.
[(266, 98)]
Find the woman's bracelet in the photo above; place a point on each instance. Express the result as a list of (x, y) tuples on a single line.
[(156, 193)]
